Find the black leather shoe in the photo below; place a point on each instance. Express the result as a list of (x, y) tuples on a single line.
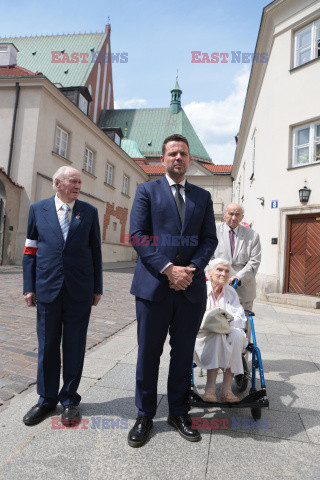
[(183, 424), (71, 416), (139, 433), (37, 414)]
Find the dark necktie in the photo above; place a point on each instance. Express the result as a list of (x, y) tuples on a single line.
[(179, 201), (231, 233)]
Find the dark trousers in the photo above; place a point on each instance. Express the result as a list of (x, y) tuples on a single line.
[(68, 320), (182, 319)]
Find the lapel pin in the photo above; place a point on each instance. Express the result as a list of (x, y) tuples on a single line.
[(78, 216)]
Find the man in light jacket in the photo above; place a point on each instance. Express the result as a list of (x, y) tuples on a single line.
[(241, 247)]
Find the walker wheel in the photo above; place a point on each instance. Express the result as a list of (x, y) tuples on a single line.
[(256, 413)]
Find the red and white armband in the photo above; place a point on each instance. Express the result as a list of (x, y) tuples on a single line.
[(31, 247)]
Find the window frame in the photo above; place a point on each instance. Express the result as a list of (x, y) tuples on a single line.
[(112, 175), (125, 185), (85, 163), (83, 102), (58, 148), (314, 48), (313, 142)]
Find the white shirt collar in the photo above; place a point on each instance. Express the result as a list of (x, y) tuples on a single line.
[(236, 230), (59, 203), (172, 182)]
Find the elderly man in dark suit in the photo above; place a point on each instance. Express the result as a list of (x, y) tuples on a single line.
[(173, 230), (62, 273)]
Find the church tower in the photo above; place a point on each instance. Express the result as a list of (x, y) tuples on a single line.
[(176, 92)]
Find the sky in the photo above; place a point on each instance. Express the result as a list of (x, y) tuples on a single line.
[(158, 37)]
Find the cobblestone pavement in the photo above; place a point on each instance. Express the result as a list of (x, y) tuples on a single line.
[(18, 339)]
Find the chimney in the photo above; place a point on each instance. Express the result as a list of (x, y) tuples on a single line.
[(8, 55)]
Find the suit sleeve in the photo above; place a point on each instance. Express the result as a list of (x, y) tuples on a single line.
[(250, 269), (95, 240), (140, 233), (29, 254), (207, 239)]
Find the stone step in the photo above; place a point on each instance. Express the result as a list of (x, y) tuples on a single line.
[(293, 299)]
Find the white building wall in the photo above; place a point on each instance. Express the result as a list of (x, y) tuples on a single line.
[(286, 98)]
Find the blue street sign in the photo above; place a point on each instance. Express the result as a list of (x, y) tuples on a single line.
[(274, 203)]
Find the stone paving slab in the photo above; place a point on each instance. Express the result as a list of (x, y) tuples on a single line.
[(239, 455), (286, 449)]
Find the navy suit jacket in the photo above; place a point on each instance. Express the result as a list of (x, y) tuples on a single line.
[(157, 236), (48, 261)]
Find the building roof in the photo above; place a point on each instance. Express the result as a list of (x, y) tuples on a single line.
[(218, 168), (153, 169), (159, 169), (131, 148), (35, 53), (150, 126), (15, 71), (2, 170)]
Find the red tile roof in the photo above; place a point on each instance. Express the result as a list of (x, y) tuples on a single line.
[(153, 169), (159, 169), (217, 168), (16, 71)]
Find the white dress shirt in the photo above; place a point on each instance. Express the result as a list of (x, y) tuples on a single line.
[(174, 192), (60, 212)]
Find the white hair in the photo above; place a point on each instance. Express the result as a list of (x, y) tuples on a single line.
[(214, 263), (60, 174), (228, 205)]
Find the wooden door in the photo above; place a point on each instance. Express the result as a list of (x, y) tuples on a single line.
[(303, 256)]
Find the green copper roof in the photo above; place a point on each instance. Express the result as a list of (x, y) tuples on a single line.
[(177, 86), (131, 148), (150, 126), (35, 55)]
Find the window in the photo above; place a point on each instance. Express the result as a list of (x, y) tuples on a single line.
[(117, 139), (125, 185), (83, 104), (306, 145), (109, 174), (61, 144), (307, 44), (88, 161)]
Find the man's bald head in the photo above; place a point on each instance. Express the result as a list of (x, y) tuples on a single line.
[(233, 214), (67, 181)]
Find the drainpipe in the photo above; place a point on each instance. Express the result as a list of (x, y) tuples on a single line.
[(13, 127)]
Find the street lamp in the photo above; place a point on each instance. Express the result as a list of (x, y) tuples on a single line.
[(304, 194)]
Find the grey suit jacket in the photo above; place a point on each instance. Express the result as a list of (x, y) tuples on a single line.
[(246, 258)]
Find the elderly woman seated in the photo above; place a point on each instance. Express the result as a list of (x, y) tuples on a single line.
[(216, 350)]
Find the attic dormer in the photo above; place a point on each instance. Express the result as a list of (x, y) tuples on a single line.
[(8, 55)]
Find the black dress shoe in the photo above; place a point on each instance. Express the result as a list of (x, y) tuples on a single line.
[(71, 416), (37, 414), (139, 433), (183, 424)]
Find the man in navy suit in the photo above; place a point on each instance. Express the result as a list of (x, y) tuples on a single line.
[(62, 275), (173, 230)]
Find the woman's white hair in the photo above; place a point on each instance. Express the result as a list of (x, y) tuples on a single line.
[(60, 174), (214, 263)]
